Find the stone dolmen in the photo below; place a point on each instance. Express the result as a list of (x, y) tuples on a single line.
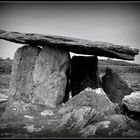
[(44, 73)]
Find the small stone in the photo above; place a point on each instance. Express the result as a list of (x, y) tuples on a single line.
[(3, 97), (105, 124), (30, 128), (29, 117), (47, 112), (2, 100)]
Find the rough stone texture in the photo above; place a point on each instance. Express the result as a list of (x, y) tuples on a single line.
[(76, 119), (50, 78), (131, 133), (73, 44), (20, 107), (47, 112), (67, 121), (131, 105), (21, 84), (3, 103), (113, 125), (114, 86), (84, 73), (94, 98), (88, 107), (3, 97), (132, 101), (2, 107)]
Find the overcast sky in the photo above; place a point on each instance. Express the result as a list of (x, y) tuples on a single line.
[(118, 23)]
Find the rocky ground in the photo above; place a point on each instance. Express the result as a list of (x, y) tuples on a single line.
[(89, 114), (76, 118)]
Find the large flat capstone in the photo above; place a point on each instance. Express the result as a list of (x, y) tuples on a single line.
[(75, 45)]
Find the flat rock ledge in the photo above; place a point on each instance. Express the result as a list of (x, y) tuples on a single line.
[(79, 46)]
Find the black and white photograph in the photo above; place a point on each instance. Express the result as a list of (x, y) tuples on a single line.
[(69, 69)]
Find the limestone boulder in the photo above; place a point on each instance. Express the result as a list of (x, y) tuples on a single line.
[(114, 86), (94, 98), (89, 106), (50, 76), (131, 105), (132, 101), (84, 73)]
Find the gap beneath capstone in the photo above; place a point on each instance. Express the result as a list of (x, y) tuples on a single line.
[(84, 73)]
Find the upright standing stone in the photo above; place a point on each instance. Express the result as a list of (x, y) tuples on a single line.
[(114, 86), (50, 79), (21, 84), (84, 73)]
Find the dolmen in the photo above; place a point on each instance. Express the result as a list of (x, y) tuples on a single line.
[(43, 72)]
